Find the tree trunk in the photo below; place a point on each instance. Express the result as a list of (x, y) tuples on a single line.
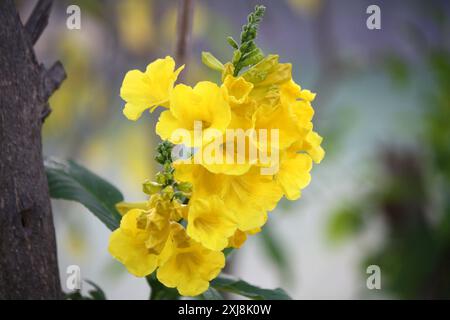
[(28, 262)]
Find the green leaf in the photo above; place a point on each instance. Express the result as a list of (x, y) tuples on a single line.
[(228, 252), (70, 181), (75, 295), (344, 223), (160, 291), (95, 294), (237, 286), (212, 294), (397, 69), (275, 251)]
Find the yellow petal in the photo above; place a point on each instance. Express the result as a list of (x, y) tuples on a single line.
[(124, 207), (191, 266), (146, 90), (210, 223), (294, 174), (237, 89), (277, 120), (203, 106), (127, 245), (312, 146)]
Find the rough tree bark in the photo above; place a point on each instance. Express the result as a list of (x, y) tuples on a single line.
[(28, 263)]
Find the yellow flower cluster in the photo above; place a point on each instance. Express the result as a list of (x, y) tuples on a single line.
[(149, 237), (229, 200)]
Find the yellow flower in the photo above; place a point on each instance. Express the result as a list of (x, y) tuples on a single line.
[(210, 223), (238, 90), (149, 89), (191, 266), (141, 242), (249, 196), (308, 140), (293, 174), (205, 104), (127, 244)]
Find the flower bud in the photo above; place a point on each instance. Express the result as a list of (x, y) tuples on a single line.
[(185, 186), (151, 187)]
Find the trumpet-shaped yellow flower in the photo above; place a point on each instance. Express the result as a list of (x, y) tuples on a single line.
[(249, 196), (127, 244), (293, 174), (205, 104), (190, 266), (149, 89), (141, 242), (210, 223), (238, 90)]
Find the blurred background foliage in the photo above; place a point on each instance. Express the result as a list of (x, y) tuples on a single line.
[(382, 194)]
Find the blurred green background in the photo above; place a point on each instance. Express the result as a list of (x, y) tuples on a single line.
[(382, 194)]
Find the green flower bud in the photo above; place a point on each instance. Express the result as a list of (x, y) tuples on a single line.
[(236, 56), (232, 43), (167, 166), (161, 178), (184, 186), (212, 62), (168, 192), (252, 58), (151, 187)]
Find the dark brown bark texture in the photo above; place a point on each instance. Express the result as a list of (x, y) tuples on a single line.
[(28, 262)]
